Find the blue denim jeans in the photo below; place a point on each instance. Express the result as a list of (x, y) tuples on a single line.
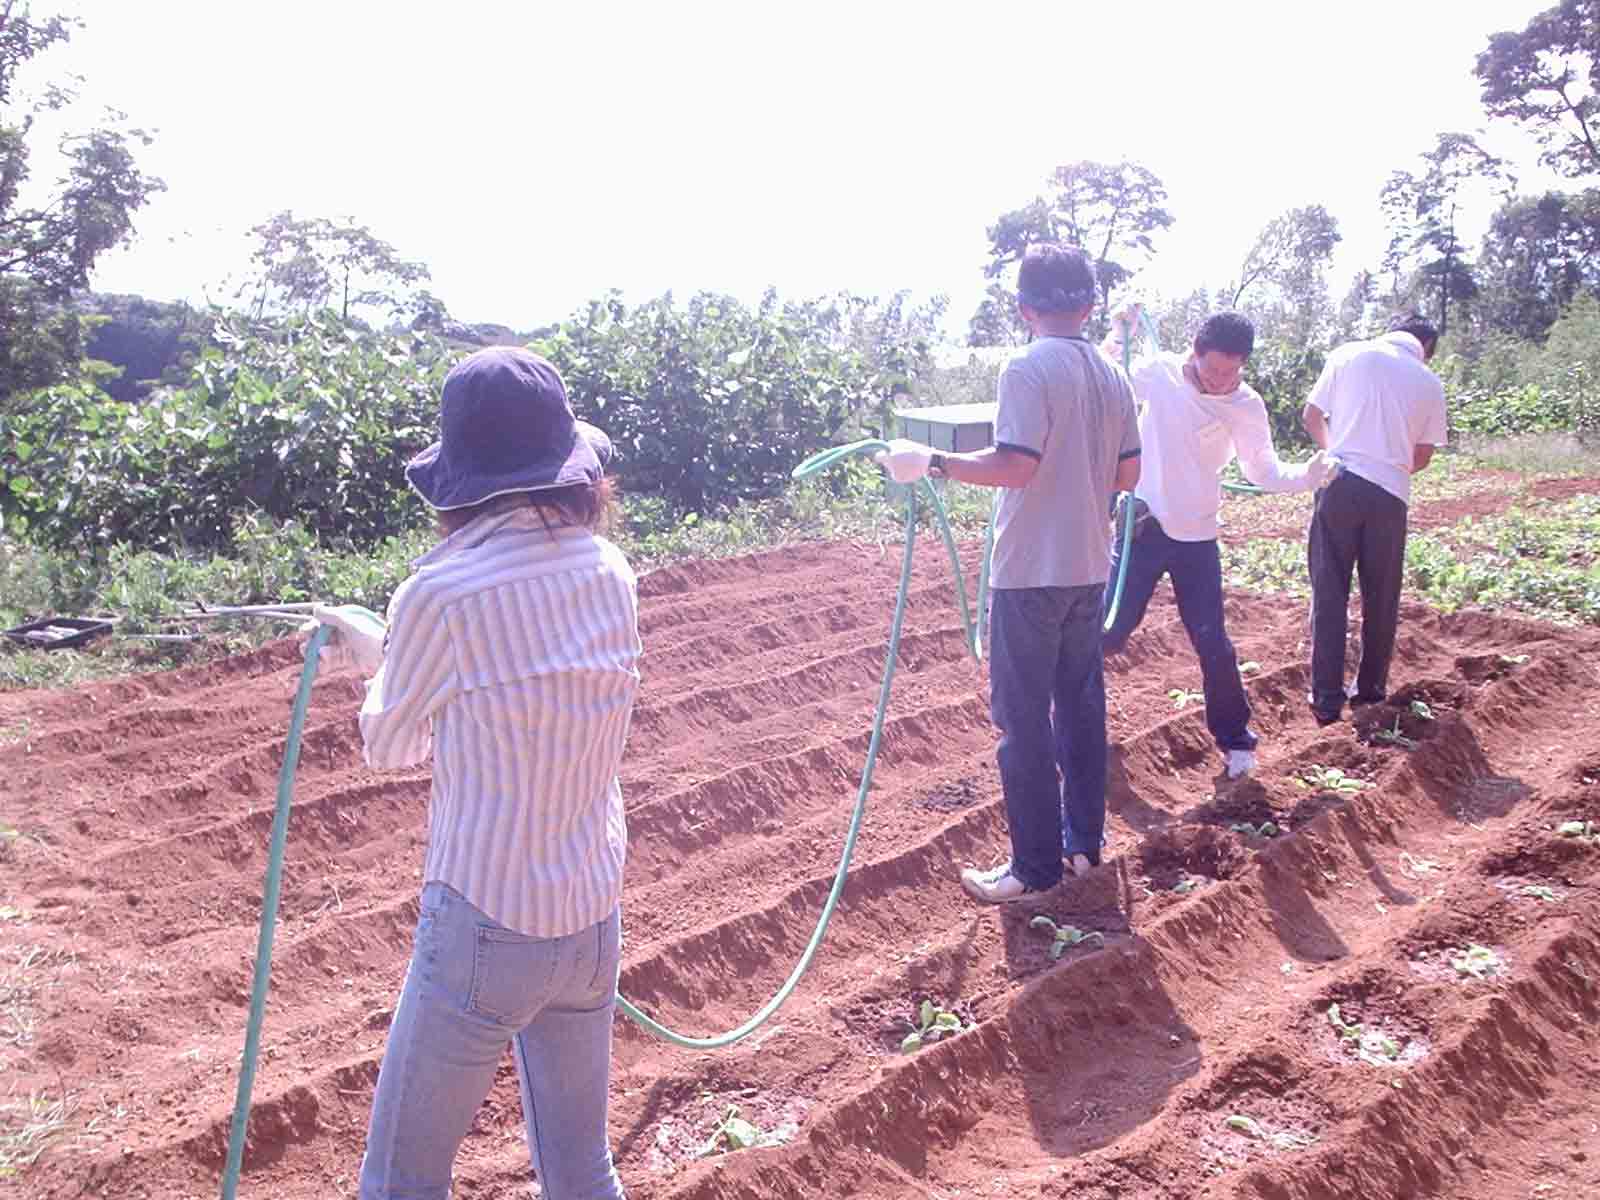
[(1196, 570), (474, 987), (1048, 698)]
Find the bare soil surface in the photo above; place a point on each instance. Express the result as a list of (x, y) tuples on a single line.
[(1190, 1055)]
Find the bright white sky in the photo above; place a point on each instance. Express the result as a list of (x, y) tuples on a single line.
[(535, 154)]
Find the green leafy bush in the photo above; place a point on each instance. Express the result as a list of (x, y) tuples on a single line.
[(712, 403), (310, 422)]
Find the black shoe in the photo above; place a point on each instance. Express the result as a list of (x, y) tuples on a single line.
[(1324, 719), (1359, 701)]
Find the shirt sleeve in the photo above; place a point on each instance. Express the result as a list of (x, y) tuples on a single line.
[(1322, 391), (412, 685), (1252, 442), (1022, 421), (1434, 426), (1130, 446)]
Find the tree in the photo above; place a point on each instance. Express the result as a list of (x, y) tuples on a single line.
[(1285, 274), (1540, 254), (1421, 212), (1352, 320), (1110, 210), (1548, 77), (996, 322), (50, 238), (311, 263)]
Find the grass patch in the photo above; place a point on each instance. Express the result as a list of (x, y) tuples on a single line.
[(1539, 561), (27, 972), (27, 1129), (1556, 453)]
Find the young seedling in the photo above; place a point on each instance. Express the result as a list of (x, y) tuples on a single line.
[(1064, 935), (1188, 884), (1376, 1047), (1394, 737), (732, 1133), (1513, 660), (1181, 697), (1479, 962), (1586, 831), (1540, 892), (1265, 829), (1285, 1139), (1330, 779), (1249, 668), (934, 1023), (1421, 711), (1413, 867)]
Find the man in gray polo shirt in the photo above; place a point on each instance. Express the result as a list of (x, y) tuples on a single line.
[(1066, 439)]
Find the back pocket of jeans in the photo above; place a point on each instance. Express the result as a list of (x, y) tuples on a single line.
[(511, 975)]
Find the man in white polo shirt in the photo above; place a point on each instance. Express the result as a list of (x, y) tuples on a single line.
[(1197, 413), (1379, 410)]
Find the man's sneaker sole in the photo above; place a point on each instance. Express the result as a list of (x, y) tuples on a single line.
[(974, 889)]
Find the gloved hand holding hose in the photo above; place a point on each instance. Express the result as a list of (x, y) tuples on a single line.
[(905, 460), (356, 634)]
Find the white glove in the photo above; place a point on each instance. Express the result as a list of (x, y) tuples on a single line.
[(905, 460), (1126, 318), (1124, 328), (1322, 470), (357, 634)]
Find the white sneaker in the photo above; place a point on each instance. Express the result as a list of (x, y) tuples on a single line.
[(996, 885), (1240, 762)]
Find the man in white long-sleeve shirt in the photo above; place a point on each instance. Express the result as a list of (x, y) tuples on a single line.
[(1380, 411), (1196, 414)]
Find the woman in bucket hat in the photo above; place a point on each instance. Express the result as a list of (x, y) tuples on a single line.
[(511, 658)]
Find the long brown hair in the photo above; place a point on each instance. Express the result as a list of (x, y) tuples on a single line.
[(585, 504)]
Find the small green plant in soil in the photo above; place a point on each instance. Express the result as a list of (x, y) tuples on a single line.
[(1477, 962), (1539, 891), (1513, 660), (933, 1023), (1586, 831), (1188, 884), (1330, 779), (1063, 936), (1421, 711), (732, 1133), (1413, 867), (1394, 737), (1283, 1139), (1181, 697), (1266, 829), (1249, 668), (1374, 1046)]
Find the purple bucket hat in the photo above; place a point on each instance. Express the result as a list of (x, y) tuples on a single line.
[(505, 425)]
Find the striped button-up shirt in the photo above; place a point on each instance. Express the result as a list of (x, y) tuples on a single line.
[(513, 657)]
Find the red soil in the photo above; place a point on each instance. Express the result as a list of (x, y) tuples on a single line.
[(144, 804)]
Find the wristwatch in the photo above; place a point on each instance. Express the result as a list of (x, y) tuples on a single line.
[(936, 463)]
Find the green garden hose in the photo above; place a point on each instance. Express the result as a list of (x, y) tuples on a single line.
[(291, 757), (269, 915)]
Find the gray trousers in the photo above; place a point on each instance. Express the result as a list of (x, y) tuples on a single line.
[(1358, 526)]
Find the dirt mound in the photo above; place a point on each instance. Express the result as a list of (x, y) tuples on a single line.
[(1403, 870)]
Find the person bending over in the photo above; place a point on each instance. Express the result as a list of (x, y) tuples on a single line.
[(1196, 414), (1380, 411)]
